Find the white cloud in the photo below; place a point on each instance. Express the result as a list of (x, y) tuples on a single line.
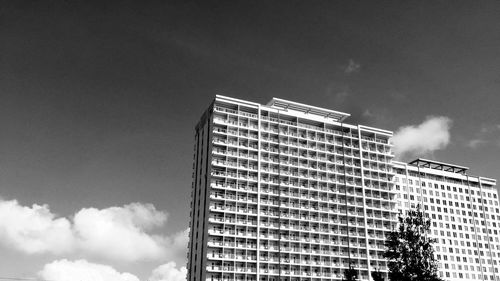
[(34, 229), (176, 246), (169, 272), (115, 233), (82, 270), (119, 233), (352, 66), (418, 140)]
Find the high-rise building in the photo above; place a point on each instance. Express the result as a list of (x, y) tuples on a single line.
[(288, 191), (464, 212)]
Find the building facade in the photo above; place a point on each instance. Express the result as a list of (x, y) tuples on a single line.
[(465, 216), (288, 191)]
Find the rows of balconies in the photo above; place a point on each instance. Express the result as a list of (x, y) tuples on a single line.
[(232, 185), (339, 166), (246, 164), (338, 250), (231, 116), (215, 230), (320, 158), (378, 140), (338, 148), (231, 196), (332, 209), (324, 163), (317, 133), (235, 143), (241, 175), (240, 243), (293, 261), (378, 223), (323, 172), (233, 121), (230, 277), (302, 236), (234, 113), (234, 209), (327, 208), (242, 133), (310, 272), (309, 185), (354, 196), (232, 220), (223, 151), (297, 149)]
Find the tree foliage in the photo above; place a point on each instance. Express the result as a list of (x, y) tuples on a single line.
[(409, 250), (350, 274)]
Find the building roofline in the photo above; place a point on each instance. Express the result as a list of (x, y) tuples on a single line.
[(327, 113), (432, 164), (230, 99), (377, 130)]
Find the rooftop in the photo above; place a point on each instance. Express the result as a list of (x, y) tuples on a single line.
[(308, 109), (431, 164)]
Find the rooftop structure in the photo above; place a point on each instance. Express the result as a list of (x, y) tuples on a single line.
[(432, 164), (308, 109)]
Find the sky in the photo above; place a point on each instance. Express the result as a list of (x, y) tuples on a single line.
[(98, 103)]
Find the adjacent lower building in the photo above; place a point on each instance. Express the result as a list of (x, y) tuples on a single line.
[(465, 216), (288, 191)]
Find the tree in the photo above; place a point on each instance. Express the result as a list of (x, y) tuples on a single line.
[(409, 250), (350, 274), (377, 276)]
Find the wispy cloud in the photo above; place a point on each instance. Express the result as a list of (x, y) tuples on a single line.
[(488, 134), (339, 92), (352, 67), (422, 139), (115, 233), (476, 143)]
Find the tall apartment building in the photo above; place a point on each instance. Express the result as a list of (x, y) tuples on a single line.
[(465, 216), (288, 191)]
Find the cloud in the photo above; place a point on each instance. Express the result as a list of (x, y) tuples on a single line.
[(34, 229), (475, 143), (417, 140), (115, 233), (488, 134), (338, 91), (176, 246), (169, 272), (119, 233), (82, 270), (352, 67)]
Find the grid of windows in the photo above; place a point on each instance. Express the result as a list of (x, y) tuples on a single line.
[(465, 219)]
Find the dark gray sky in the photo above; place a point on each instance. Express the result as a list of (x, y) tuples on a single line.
[(98, 101)]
